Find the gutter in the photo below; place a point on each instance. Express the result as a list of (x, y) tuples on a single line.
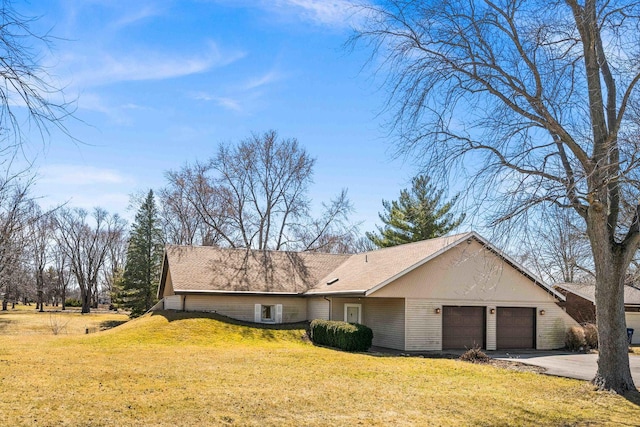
[(329, 301)]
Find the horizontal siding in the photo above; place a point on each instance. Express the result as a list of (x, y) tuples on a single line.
[(385, 316), (551, 329), (424, 325), (294, 309), (318, 308), (633, 321), (173, 302)]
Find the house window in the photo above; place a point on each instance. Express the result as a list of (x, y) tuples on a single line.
[(268, 312)]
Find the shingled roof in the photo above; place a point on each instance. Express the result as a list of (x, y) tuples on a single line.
[(588, 292), (210, 269), (214, 270)]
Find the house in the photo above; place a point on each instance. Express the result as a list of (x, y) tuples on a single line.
[(452, 292), (580, 304)]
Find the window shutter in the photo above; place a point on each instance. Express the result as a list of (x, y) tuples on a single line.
[(257, 313), (278, 313)]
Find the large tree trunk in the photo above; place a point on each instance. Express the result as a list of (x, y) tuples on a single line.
[(610, 264), (85, 295), (4, 305)]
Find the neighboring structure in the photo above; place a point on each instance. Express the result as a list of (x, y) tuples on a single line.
[(580, 304), (447, 293)]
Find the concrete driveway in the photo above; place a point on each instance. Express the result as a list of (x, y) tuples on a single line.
[(563, 364)]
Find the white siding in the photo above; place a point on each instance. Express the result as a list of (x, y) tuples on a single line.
[(424, 325), (385, 316), (294, 309), (633, 321), (173, 302), (491, 335), (318, 308)]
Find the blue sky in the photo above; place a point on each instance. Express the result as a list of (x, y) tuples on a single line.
[(161, 83)]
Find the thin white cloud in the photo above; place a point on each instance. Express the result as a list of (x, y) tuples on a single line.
[(81, 175), (95, 69), (146, 11), (268, 78), (247, 93), (332, 13)]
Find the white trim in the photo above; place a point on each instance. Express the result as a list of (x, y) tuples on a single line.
[(355, 293), (358, 306), (257, 313), (198, 291)]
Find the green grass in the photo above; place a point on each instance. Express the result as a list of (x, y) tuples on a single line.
[(175, 369)]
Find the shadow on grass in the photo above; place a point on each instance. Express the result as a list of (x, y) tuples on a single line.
[(172, 315), (633, 397), (4, 323), (108, 324)]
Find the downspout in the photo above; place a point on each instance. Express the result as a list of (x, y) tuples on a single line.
[(184, 303), (329, 301)]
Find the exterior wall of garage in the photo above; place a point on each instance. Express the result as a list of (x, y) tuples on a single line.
[(385, 317), (294, 309), (469, 275), (633, 321)]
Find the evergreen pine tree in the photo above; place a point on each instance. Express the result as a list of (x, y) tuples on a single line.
[(139, 283), (418, 214)]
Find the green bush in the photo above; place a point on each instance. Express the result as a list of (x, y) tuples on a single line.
[(591, 335), (575, 340), (73, 302), (342, 335)]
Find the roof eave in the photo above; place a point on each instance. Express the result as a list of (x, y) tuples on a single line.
[(341, 293), (223, 292)]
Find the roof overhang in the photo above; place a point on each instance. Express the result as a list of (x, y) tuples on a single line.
[(222, 292), (356, 293)]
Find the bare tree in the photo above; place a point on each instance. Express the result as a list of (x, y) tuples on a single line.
[(532, 100), (39, 232), (558, 249), (29, 98), (181, 223), (254, 195), (86, 246), (14, 213), (61, 266)]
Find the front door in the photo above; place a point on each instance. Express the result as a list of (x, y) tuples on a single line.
[(352, 313)]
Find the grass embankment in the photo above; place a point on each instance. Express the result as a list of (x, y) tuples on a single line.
[(177, 369)]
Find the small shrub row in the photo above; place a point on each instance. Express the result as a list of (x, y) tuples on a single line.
[(73, 302), (342, 335), (582, 337)]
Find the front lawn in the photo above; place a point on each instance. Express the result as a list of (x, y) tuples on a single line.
[(178, 369)]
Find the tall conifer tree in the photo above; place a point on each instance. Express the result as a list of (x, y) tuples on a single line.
[(418, 214), (139, 283)]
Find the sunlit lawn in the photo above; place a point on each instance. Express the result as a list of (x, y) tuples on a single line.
[(179, 370)]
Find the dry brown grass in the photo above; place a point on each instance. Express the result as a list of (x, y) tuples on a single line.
[(179, 370)]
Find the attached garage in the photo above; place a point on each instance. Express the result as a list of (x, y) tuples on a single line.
[(516, 328), (463, 327)]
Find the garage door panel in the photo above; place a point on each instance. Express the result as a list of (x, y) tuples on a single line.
[(463, 327), (516, 328)]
